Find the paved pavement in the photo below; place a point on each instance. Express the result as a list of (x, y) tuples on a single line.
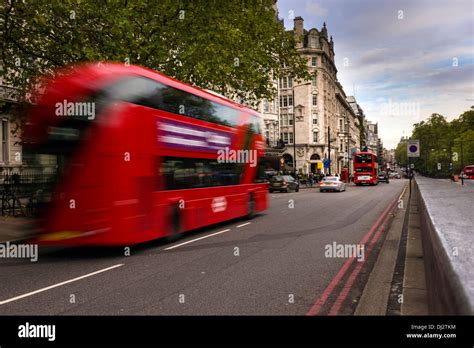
[(449, 241), (272, 264), (13, 229)]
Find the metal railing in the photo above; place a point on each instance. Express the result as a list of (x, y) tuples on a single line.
[(22, 192)]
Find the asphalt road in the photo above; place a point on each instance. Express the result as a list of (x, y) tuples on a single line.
[(274, 264)]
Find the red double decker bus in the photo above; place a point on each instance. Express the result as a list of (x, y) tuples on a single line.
[(140, 156), (365, 168)]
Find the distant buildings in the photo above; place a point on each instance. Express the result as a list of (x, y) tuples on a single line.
[(389, 158)]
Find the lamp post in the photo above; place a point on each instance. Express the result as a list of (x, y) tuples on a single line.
[(329, 149)]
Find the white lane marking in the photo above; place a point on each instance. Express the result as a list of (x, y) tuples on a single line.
[(194, 240), (59, 284), (247, 223)]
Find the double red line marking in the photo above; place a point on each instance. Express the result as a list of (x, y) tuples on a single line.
[(380, 223)]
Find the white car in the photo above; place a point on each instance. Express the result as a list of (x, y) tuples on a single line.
[(332, 183)]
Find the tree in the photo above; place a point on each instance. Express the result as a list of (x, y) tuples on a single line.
[(401, 154), (440, 143), (232, 47)]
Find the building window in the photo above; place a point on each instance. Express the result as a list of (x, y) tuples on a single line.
[(290, 100), (314, 61), (266, 106), (315, 136), (341, 125), (285, 137), (285, 101), (284, 120), (4, 141), (290, 119), (315, 118), (286, 82), (315, 100), (290, 138), (314, 81), (267, 135), (314, 41)]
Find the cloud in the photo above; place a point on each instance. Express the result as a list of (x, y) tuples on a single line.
[(407, 60), (315, 9)]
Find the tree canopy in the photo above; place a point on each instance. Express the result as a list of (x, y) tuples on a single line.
[(232, 47), (440, 143)]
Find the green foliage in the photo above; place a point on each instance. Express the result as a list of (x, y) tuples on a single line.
[(401, 154), (440, 142), (231, 47)]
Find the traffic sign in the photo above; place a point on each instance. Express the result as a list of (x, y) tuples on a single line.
[(439, 166), (413, 148), (326, 163)]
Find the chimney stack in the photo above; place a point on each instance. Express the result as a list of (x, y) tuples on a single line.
[(299, 31)]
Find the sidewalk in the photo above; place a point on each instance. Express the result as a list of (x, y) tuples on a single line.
[(14, 229), (447, 222)]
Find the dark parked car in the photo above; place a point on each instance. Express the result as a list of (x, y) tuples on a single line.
[(383, 176), (284, 183)]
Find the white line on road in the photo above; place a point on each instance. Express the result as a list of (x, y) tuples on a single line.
[(247, 223), (59, 284), (194, 240)]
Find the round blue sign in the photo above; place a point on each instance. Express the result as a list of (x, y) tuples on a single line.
[(413, 148)]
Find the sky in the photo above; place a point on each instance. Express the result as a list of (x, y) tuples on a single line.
[(402, 59)]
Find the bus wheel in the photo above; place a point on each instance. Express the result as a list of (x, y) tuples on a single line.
[(174, 223), (251, 206)]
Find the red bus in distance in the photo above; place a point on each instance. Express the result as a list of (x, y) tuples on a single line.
[(365, 168), (140, 156)]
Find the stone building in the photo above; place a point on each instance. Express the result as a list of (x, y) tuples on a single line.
[(10, 142), (362, 122), (269, 111), (372, 137), (348, 131), (316, 111)]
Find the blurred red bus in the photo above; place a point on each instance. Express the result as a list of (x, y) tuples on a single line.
[(365, 168), (137, 156)]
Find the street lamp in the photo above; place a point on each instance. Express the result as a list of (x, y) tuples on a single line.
[(294, 123)]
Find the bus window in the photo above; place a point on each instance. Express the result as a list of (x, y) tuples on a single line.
[(255, 124), (184, 173), (363, 158), (150, 93)]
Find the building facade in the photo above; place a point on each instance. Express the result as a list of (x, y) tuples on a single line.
[(317, 124), (271, 119), (372, 137), (10, 142)]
